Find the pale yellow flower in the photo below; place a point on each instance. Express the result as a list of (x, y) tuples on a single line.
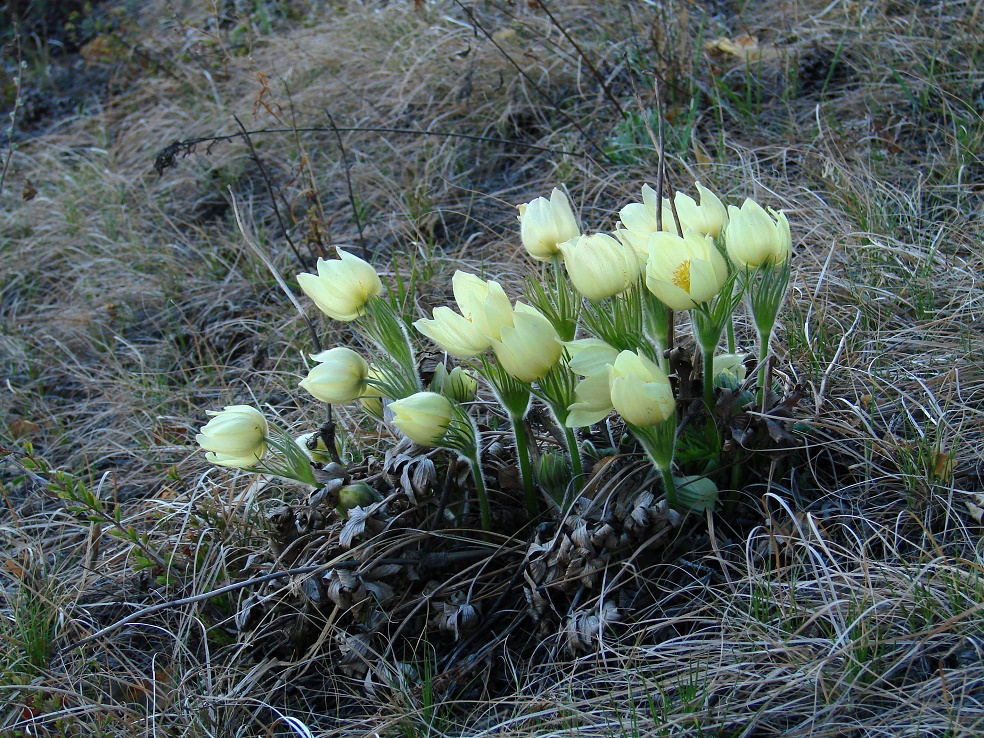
[(594, 400), (529, 347), (484, 303), (589, 356), (638, 223), (339, 376), (600, 266), (754, 238), (460, 385), (684, 272), (342, 286), (454, 333), (422, 417), (235, 436), (640, 391), (708, 218), (545, 224), (313, 446)]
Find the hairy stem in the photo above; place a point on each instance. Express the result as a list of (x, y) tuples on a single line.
[(525, 466), (483, 495), (671, 495)]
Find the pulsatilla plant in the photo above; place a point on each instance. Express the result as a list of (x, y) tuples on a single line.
[(594, 336)]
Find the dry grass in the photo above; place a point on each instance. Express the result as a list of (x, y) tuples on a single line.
[(129, 305)]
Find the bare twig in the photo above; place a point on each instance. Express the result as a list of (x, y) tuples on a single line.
[(166, 156), (529, 79), (113, 627), (348, 183), (306, 164), (269, 186), (594, 71), (18, 82), (661, 177)]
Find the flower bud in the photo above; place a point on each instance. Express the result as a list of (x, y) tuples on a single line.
[(708, 218), (729, 370), (458, 384), (684, 272), (235, 437), (599, 266), (641, 392), (422, 417), (357, 494), (754, 238), (342, 286), (529, 347), (483, 303), (340, 375), (313, 446), (545, 224)]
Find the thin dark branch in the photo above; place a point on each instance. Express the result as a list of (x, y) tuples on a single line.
[(269, 186), (529, 79), (594, 71), (348, 183), (661, 177), (165, 157), (305, 164), (113, 627), (19, 82)]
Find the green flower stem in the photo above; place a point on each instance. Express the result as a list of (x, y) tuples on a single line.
[(525, 466), (671, 495), (765, 342), (575, 453), (708, 354), (658, 321), (731, 334), (483, 495), (659, 441)]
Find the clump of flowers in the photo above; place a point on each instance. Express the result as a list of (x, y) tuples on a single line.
[(591, 342)]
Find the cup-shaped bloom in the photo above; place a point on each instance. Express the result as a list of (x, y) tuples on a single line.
[(342, 286), (590, 356), (708, 218), (599, 266), (339, 376), (754, 238), (638, 221), (483, 303), (235, 437), (529, 347), (684, 272), (454, 333), (641, 392), (545, 224), (422, 417), (594, 400)]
